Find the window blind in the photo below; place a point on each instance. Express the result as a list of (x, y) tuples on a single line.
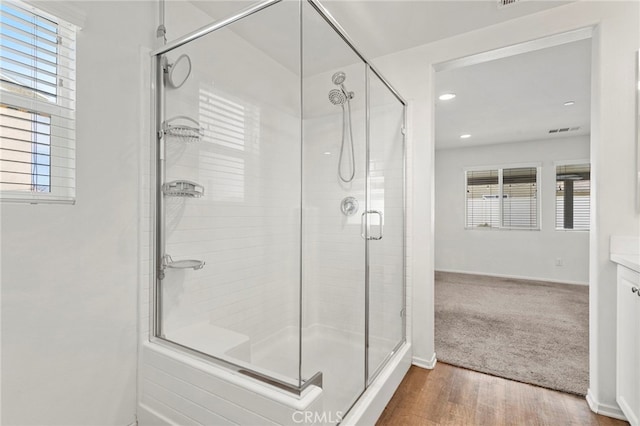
[(37, 111), (483, 199), (520, 198), (573, 196), (502, 198)]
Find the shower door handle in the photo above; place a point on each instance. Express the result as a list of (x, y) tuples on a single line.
[(365, 232), (379, 213)]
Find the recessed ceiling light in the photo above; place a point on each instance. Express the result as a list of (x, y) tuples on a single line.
[(447, 96), (327, 153), (465, 136), (569, 103)]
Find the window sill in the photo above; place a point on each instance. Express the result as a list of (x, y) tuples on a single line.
[(490, 228), (36, 199)]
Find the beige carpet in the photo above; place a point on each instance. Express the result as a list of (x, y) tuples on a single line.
[(530, 331)]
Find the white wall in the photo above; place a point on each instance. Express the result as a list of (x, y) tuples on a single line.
[(612, 151), (514, 253), (69, 273)]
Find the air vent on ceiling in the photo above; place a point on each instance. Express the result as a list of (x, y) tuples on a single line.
[(505, 3), (564, 129)]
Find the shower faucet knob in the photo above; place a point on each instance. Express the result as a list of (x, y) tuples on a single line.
[(349, 206)]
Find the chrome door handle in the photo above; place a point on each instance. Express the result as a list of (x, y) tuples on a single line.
[(379, 213), (364, 231)]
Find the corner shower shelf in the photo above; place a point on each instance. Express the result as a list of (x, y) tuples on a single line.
[(185, 132), (183, 188), (168, 262)]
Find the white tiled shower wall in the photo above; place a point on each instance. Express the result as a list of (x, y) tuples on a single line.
[(246, 226), (334, 250)]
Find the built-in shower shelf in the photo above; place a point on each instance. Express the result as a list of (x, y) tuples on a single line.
[(183, 188), (183, 264), (183, 128)]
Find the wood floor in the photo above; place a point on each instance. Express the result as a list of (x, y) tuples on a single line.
[(449, 395)]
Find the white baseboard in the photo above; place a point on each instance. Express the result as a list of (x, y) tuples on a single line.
[(604, 409), (429, 364), (515, 277)]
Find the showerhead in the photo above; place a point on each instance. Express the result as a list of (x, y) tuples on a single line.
[(338, 78), (337, 97)]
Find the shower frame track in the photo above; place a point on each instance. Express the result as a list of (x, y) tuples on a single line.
[(158, 213)]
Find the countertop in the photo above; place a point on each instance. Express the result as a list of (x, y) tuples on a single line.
[(631, 261)]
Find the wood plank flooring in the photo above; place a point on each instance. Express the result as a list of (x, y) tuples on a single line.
[(449, 395)]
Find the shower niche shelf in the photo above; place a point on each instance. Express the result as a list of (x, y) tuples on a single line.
[(183, 188), (183, 128), (168, 262)]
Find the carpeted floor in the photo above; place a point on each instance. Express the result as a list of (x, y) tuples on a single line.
[(530, 331)]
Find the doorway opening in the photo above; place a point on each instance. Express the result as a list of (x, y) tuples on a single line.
[(512, 201)]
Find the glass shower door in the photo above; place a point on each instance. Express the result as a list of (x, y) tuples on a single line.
[(385, 225), (333, 199)]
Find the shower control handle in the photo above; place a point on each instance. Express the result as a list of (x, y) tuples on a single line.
[(364, 232)]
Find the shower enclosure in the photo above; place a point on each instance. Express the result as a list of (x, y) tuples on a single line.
[(279, 203)]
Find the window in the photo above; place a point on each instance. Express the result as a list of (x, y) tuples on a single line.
[(502, 198), (37, 110), (573, 196)]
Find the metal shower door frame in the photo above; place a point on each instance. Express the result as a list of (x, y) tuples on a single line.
[(158, 208), (326, 15)]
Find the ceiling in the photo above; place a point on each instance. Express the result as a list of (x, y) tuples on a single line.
[(275, 31), (378, 27), (517, 98), (507, 100)]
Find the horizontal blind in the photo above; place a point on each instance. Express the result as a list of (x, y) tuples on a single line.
[(502, 198), (37, 112), (520, 198), (483, 199), (573, 191)]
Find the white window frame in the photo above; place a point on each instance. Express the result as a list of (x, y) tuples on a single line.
[(555, 206), (500, 168), (67, 16)]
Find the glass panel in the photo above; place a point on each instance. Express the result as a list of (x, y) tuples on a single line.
[(386, 224), (333, 248), (233, 132)]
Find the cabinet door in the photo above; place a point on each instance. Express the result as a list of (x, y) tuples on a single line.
[(628, 371)]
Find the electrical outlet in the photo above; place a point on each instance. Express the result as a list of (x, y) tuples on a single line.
[(559, 261)]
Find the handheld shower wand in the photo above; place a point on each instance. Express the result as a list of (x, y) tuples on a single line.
[(341, 97)]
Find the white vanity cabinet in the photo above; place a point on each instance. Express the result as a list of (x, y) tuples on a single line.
[(628, 346)]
